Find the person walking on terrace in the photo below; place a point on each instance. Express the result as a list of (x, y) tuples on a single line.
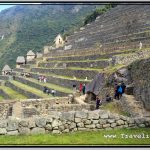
[(140, 45), (98, 102), (83, 89), (80, 88), (119, 91)]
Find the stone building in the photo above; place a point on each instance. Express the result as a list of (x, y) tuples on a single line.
[(6, 70), (59, 42), (30, 56), (20, 61)]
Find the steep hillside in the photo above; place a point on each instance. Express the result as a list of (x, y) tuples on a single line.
[(26, 27)]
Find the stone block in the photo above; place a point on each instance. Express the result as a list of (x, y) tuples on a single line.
[(106, 125), (88, 121), (91, 126), (65, 131), (31, 123), (77, 120), (40, 122), (54, 114), (56, 132), (48, 127), (23, 123), (93, 115), (102, 121), (95, 121), (113, 125), (141, 125), (82, 129), (24, 130), (13, 132), (110, 120), (56, 123), (67, 116), (104, 115), (81, 124), (3, 124), (120, 122), (81, 114), (99, 126), (12, 125), (38, 130), (72, 125), (3, 131)]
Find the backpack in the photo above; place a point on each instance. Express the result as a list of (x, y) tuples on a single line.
[(120, 90)]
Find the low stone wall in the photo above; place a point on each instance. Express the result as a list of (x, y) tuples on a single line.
[(5, 95), (82, 74), (63, 122)]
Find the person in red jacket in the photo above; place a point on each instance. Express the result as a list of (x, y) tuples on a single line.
[(81, 86)]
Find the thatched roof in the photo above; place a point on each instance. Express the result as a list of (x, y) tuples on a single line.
[(6, 68), (30, 53), (20, 59)]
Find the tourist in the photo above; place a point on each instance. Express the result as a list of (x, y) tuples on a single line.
[(74, 87), (119, 91), (140, 45), (108, 98), (86, 79), (98, 102), (123, 87), (45, 79), (80, 88), (83, 89), (45, 89), (53, 92), (48, 91)]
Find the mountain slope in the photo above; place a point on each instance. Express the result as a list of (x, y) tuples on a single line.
[(26, 27)]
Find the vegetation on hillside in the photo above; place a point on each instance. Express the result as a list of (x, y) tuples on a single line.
[(99, 11), (31, 27)]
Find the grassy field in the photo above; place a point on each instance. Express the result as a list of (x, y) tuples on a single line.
[(92, 138)]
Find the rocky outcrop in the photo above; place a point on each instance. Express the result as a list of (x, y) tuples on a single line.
[(140, 77)]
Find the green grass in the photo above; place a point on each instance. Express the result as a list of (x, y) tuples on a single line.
[(114, 107), (52, 86), (91, 138), (30, 89), (13, 94), (78, 68), (1, 97)]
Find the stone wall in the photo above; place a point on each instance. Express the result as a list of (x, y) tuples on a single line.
[(82, 74), (63, 122), (6, 109), (5, 95), (129, 58)]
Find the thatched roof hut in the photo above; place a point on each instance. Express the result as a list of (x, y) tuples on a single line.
[(20, 60), (6, 68)]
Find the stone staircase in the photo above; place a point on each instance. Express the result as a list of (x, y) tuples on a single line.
[(134, 107)]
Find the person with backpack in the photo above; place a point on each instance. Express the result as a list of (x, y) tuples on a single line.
[(98, 102), (119, 91), (83, 89), (80, 88), (123, 87)]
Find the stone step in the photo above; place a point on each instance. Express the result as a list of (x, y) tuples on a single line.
[(77, 72), (26, 90)]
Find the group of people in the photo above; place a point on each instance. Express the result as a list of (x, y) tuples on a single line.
[(81, 88), (42, 79), (25, 74), (119, 89), (46, 90)]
